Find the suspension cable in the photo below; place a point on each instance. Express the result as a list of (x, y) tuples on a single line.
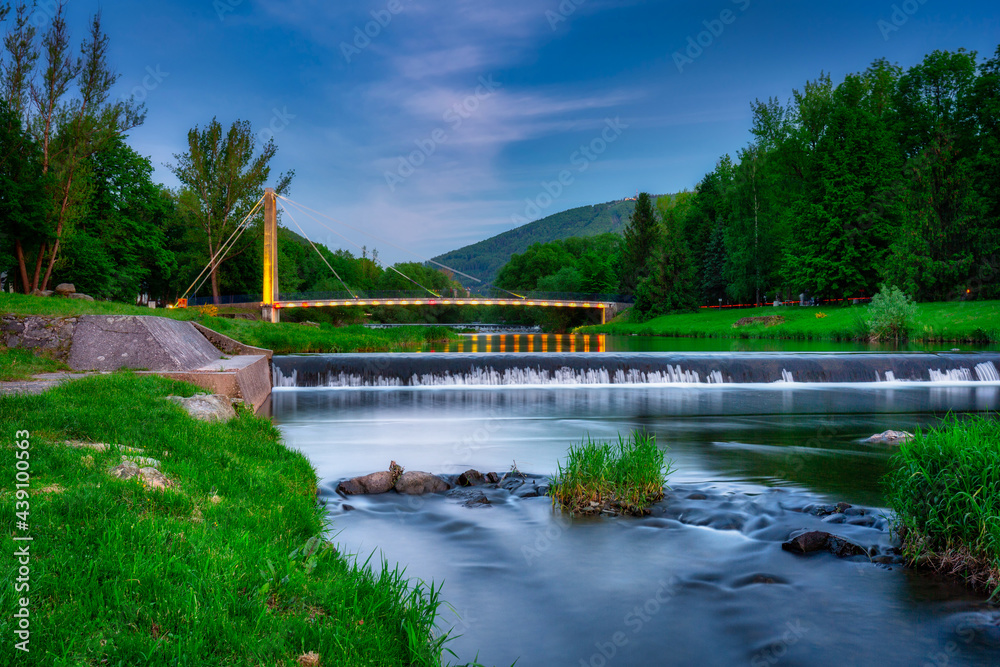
[(224, 248), (392, 245), (283, 208), (384, 266)]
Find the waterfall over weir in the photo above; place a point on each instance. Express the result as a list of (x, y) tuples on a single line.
[(417, 370)]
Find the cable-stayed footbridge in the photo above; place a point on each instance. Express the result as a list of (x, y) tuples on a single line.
[(272, 301)]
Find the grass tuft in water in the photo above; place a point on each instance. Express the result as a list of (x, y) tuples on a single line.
[(944, 486), (618, 478)]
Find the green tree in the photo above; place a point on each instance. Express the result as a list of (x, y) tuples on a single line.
[(119, 243), (23, 202), (670, 285), (640, 239), (225, 177), (65, 104)]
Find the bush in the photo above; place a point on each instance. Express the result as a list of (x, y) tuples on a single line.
[(891, 314), (625, 477)]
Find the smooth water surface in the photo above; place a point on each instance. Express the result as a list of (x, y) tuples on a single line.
[(703, 580)]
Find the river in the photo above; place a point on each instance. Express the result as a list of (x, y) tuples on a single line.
[(703, 580)]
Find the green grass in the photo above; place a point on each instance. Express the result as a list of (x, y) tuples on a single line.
[(282, 338), (624, 477), (17, 364), (967, 321), (221, 569), (944, 487)]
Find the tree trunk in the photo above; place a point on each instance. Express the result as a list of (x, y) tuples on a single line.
[(22, 266), (38, 267), (215, 285)]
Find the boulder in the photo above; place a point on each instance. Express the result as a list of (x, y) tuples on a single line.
[(377, 482), (890, 438), (206, 407), (65, 289), (78, 295), (817, 540), (152, 477), (470, 478), (39, 292), (415, 483), (492, 477)]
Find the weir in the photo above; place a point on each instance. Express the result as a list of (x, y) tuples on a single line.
[(419, 369)]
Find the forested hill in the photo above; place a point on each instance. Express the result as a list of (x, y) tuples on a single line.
[(485, 258)]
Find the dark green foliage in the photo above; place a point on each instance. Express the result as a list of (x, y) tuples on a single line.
[(639, 243), (583, 265), (670, 284), (485, 258), (23, 200)]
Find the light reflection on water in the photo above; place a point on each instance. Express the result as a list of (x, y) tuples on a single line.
[(519, 343)]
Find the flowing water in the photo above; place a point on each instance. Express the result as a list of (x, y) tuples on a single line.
[(761, 450)]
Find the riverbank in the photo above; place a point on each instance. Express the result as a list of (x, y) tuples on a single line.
[(282, 338), (960, 322), (944, 486), (219, 568)]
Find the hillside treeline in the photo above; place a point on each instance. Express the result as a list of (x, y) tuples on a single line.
[(891, 176)]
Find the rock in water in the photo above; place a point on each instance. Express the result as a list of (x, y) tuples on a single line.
[(890, 437), (206, 407), (416, 483), (469, 478), (377, 482), (65, 289), (817, 540)]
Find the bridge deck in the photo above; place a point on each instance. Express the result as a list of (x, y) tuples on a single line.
[(443, 301)]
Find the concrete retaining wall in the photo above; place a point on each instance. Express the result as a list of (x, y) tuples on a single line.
[(52, 334)]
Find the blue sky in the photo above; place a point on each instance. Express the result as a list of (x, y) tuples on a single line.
[(433, 124)]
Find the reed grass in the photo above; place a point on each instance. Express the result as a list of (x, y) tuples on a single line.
[(944, 487), (623, 477), (228, 567)]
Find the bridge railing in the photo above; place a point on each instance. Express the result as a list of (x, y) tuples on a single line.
[(452, 294)]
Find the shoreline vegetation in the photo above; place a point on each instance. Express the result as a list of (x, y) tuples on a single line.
[(230, 564), (958, 322), (944, 487), (282, 338)]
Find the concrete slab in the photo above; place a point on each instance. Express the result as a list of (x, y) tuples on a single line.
[(247, 377), (107, 343)]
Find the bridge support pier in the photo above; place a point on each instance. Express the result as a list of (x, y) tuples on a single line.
[(269, 313)]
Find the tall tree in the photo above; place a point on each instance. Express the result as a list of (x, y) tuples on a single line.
[(641, 236), (225, 180), (669, 285), (65, 105)]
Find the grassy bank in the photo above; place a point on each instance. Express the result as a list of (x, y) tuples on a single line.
[(283, 338), (22, 364), (944, 486), (971, 321), (624, 477), (212, 571)]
